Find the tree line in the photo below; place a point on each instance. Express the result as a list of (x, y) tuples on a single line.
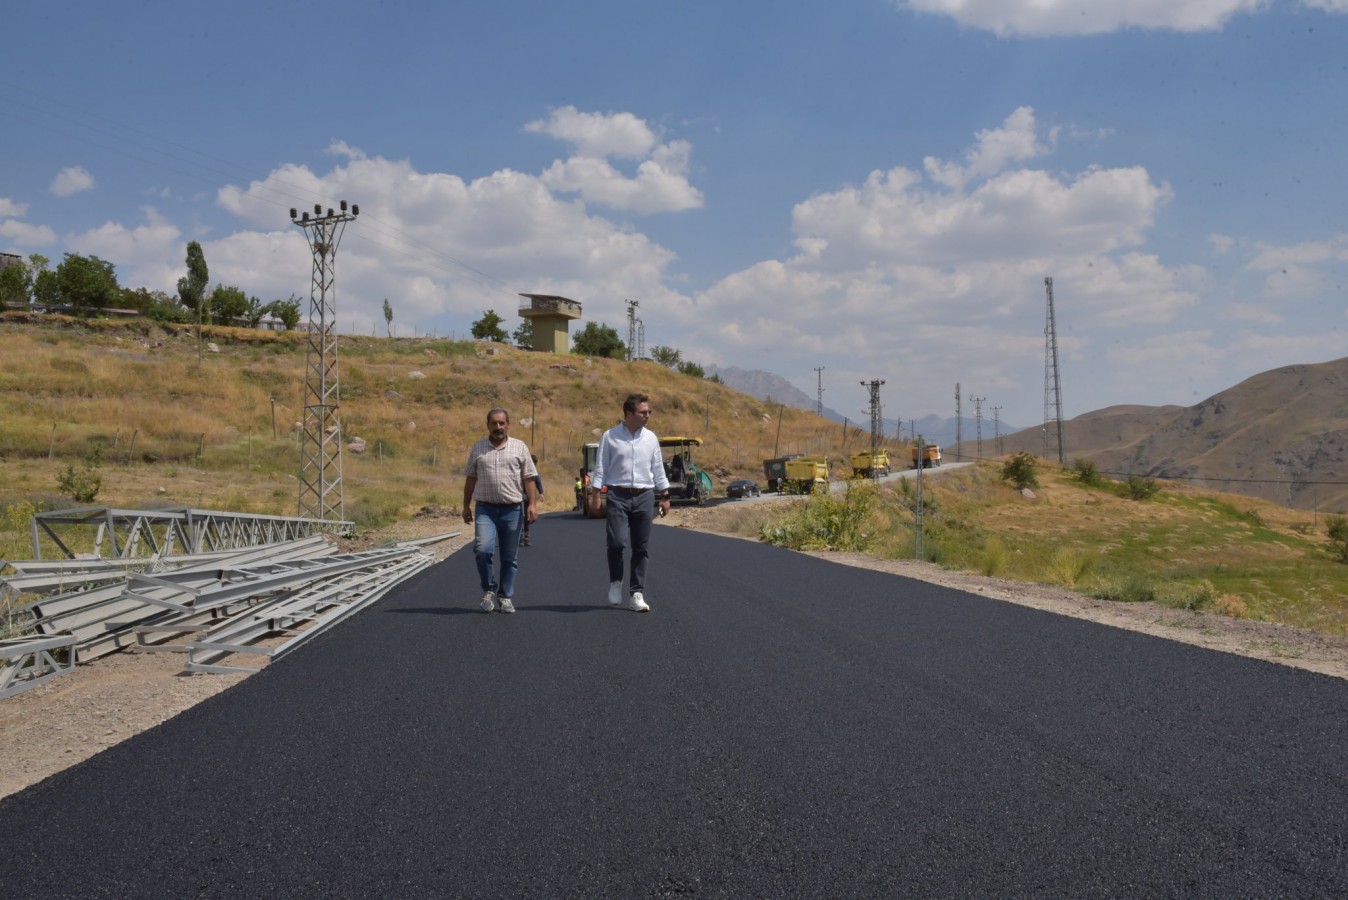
[(87, 286)]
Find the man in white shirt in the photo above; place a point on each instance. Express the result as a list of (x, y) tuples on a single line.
[(630, 472), (499, 479)]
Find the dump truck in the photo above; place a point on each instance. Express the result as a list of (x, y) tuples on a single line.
[(931, 456), (774, 470), (806, 474), (867, 464)]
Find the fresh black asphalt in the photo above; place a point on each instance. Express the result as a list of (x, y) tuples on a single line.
[(777, 726)]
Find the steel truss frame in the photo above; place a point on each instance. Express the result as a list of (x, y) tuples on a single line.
[(140, 533), (28, 661)]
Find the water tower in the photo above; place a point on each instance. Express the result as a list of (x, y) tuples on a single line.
[(551, 316)]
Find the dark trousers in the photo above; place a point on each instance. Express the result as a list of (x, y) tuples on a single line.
[(629, 526)]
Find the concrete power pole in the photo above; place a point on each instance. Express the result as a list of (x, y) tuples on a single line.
[(877, 421), (321, 491), (959, 424)]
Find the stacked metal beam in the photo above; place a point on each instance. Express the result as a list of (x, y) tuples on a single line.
[(252, 587)]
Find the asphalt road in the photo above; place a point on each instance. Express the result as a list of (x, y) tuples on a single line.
[(777, 726)]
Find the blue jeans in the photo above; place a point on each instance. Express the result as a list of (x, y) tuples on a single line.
[(497, 525)]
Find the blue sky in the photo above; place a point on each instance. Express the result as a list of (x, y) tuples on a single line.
[(878, 187)]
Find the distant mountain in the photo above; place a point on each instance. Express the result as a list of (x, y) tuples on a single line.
[(1281, 436), (934, 429)]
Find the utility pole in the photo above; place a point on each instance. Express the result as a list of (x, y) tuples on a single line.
[(877, 422), (997, 428), (632, 329), (1052, 431), (321, 490), (819, 396), (919, 520), (978, 422), (959, 424)]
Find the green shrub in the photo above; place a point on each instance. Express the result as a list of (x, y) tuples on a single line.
[(829, 520), (1019, 470), (994, 557), (83, 484), (1139, 488), (1132, 588), (1070, 566), (1086, 472)]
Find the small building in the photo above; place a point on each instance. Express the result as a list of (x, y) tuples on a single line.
[(551, 316)]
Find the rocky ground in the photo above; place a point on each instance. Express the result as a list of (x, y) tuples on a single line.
[(71, 717)]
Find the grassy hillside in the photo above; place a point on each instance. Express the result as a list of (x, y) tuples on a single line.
[(175, 429), (1281, 435), (1183, 547)]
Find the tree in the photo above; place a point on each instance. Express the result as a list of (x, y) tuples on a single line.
[(256, 312), (667, 356), (388, 317), (692, 368), (86, 283), (17, 280), (155, 305), (488, 328), (226, 304), (597, 339), (288, 311), (192, 287), (523, 336)]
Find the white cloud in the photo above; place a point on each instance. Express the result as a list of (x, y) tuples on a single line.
[(433, 243), (660, 183), (996, 148), (71, 180), (1221, 244), (139, 253), (1080, 17), (342, 148), (11, 209), (25, 235), (932, 277), (598, 134)]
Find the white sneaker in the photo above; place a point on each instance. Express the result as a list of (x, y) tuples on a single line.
[(489, 602), (638, 603), (615, 593), (506, 605)]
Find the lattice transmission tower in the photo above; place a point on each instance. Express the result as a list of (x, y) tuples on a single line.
[(321, 491), (1052, 430), (959, 424), (819, 396)]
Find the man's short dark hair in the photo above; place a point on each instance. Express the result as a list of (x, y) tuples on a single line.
[(496, 409), (632, 401)]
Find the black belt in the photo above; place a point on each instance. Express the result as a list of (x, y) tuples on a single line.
[(631, 492)]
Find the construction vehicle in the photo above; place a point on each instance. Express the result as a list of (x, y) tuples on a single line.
[(806, 474), (931, 456), (686, 480), (774, 470), (872, 463)]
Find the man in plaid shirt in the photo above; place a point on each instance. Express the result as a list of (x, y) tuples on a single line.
[(498, 478)]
